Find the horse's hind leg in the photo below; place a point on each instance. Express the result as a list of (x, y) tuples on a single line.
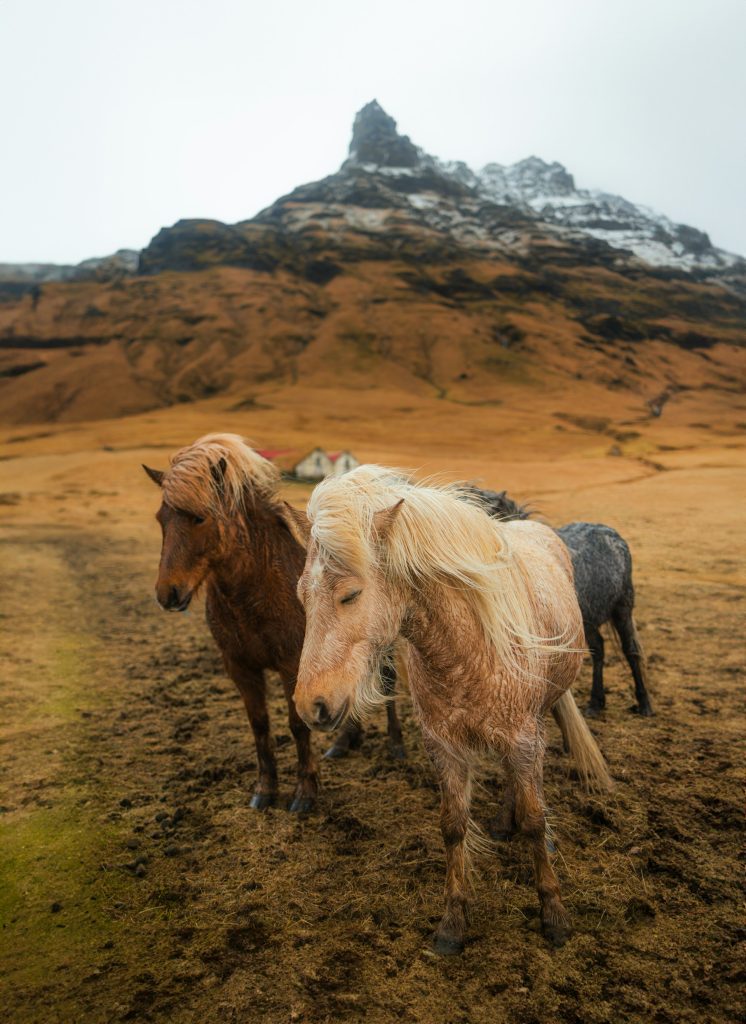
[(307, 788), (250, 685), (388, 684), (624, 624), (455, 796), (596, 646), (349, 738), (526, 765)]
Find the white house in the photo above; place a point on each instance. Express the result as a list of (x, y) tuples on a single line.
[(343, 462), (314, 466), (319, 464)]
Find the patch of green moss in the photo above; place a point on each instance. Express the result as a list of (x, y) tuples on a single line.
[(56, 902), (66, 897), (69, 656)]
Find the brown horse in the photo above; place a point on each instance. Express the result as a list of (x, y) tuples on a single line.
[(224, 528), (493, 637)]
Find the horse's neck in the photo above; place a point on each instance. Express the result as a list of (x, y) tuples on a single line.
[(448, 642), (258, 553)]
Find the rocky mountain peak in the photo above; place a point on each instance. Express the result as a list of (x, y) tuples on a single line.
[(552, 178), (527, 180), (375, 140)]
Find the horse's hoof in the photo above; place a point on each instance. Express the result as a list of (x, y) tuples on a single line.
[(643, 710), (593, 710), (335, 751), (261, 801), (397, 752), (446, 946), (557, 933), (302, 804)]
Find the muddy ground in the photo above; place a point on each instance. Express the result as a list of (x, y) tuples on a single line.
[(137, 885)]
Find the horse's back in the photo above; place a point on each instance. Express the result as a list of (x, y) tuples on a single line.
[(550, 576), (602, 565), (539, 547), (550, 570)]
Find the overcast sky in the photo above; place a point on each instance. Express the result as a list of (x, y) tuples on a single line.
[(120, 116)]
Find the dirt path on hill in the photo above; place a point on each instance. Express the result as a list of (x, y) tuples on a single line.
[(138, 886)]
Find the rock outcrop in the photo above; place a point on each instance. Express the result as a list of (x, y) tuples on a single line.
[(388, 192), (100, 268)]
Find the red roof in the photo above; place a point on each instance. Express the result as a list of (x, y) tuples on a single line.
[(272, 453)]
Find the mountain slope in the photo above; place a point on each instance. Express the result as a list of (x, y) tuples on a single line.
[(397, 271)]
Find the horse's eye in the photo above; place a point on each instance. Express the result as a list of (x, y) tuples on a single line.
[(198, 520), (349, 598)]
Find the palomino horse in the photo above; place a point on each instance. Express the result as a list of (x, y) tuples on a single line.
[(224, 528), (602, 570), (493, 639)]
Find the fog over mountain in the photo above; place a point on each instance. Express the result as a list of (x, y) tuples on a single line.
[(127, 117)]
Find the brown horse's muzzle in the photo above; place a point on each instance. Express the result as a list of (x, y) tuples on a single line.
[(172, 598)]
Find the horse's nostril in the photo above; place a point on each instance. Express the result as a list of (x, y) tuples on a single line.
[(173, 597), (321, 712)]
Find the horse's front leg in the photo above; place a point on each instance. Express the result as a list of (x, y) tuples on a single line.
[(455, 794), (349, 738), (526, 768), (388, 684), (306, 791), (251, 686)]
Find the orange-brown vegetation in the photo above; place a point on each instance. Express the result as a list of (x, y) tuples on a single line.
[(127, 763), (466, 333)]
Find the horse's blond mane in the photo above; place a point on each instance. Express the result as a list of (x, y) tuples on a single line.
[(442, 535), (215, 474)]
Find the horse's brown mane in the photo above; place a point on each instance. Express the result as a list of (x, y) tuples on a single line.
[(215, 475)]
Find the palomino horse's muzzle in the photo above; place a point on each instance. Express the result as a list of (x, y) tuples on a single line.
[(320, 715)]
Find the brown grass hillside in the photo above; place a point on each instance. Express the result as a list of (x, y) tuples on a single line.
[(462, 334)]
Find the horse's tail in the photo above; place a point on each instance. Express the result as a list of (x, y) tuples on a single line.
[(578, 738)]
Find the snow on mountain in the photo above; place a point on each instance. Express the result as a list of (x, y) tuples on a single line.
[(549, 190), (545, 191)]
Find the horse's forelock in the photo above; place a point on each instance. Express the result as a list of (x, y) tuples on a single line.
[(215, 474), (440, 536)]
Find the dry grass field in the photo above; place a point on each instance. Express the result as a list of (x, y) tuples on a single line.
[(137, 885)]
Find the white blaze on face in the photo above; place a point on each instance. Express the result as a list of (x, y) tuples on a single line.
[(316, 574)]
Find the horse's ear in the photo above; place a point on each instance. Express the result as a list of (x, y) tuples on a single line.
[(383, 520), (156, 475), (218, 471), (297, 522)]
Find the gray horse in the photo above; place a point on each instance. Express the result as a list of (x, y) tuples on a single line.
[(603, 583)]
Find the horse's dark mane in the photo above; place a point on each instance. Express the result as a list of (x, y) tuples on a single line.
[(499, 505)]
